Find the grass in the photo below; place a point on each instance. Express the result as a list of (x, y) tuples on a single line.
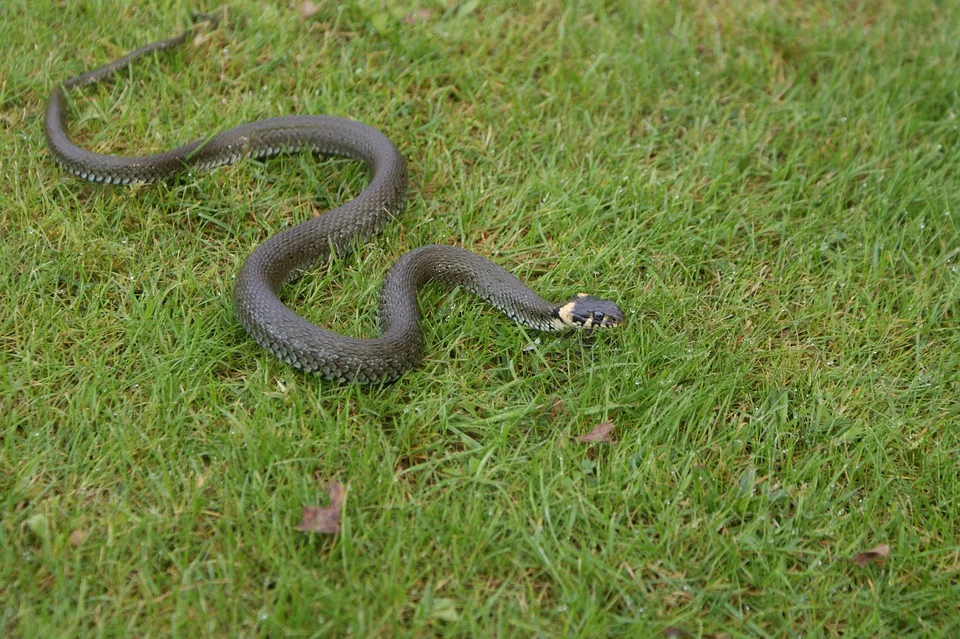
[(770, 189)]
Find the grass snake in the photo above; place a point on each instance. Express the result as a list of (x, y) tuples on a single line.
[(282, 257)]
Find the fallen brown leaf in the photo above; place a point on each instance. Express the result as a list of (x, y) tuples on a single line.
[(77, 537), (308, 9), (599, 434), (324, 520), (876, 555), (416, 16)]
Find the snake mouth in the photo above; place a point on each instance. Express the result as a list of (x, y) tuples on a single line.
[(610, 322)]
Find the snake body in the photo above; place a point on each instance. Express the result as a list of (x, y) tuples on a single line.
[(285, 255)]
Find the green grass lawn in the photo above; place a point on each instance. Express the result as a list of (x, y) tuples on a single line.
[(771, 190)]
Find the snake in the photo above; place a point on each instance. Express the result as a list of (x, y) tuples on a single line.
[(285, 256)]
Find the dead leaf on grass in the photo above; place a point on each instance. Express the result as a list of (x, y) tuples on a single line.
[(77, 537), (308, 9), (417, 16), (324, 520), (876, 555), (599, 435)]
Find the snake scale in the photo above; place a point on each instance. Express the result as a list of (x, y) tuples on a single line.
[(284, 256)]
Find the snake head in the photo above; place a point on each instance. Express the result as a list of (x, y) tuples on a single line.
[(589, 312)]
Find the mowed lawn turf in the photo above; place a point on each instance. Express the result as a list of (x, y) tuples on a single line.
[(771, 190)]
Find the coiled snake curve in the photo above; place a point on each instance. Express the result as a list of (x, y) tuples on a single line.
[(285, 255)]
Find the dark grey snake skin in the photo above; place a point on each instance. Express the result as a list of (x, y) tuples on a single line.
[(285, 255)]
